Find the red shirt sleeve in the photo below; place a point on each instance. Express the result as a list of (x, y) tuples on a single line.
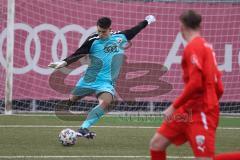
[(195, 82)]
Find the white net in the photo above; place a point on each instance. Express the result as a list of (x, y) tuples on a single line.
[(49, 30)]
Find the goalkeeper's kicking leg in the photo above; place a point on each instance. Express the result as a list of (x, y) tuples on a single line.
[(95, 114), (62, 109), (77, 93), (63, 106)]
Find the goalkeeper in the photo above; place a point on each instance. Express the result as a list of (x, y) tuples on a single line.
[(105, 50), (199, 98)]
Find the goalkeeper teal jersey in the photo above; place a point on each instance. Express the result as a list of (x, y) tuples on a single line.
[(106, 55)]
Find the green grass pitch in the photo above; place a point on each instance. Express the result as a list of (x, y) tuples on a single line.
[(118, 138)]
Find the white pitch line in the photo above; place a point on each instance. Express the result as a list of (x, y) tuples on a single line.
[(50, 126), (43, 157), (121, 127)]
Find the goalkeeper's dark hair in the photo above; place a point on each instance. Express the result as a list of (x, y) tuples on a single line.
[(191, 19), (104, 22)]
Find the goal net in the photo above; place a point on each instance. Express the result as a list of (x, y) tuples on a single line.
[(49, 30)]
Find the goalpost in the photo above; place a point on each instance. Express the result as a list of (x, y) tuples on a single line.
[(9, 57), (34, 33)]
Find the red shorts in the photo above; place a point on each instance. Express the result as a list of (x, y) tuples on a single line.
[(198, 129)]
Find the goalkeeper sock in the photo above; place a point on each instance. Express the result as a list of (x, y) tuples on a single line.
[(158, 155), (93, 116), (228, 156)]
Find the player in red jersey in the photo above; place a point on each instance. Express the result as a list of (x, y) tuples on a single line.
[(199, 99)]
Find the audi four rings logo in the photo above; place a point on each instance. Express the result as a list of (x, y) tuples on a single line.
[(32, 62)]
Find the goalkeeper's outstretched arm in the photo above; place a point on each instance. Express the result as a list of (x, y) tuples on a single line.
[(131, 33), (79, 53)]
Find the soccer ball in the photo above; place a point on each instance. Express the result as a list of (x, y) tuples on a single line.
[(67, 137)]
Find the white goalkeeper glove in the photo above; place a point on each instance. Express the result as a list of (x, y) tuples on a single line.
[(57, 65), (150, 19)]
